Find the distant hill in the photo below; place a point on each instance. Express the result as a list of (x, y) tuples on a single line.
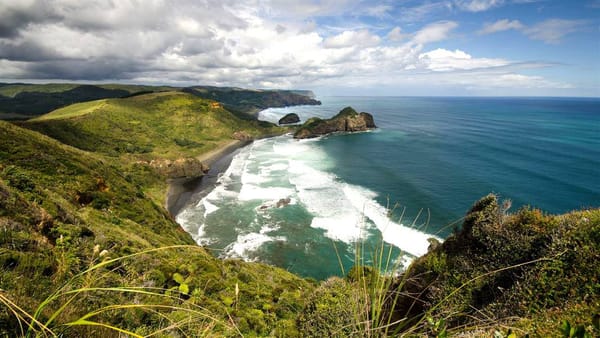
[(23, 101), (245, 102)]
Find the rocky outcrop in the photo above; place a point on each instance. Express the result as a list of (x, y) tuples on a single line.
[(347, 120), (179, 168), (289, 118), (242, 136)]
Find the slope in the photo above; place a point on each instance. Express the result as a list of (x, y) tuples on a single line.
[(157, 125), (63, 210), (22, 101)]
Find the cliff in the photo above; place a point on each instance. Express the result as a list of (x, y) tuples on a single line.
[(500, 267), (347, 120), (179, 168), (246, 103)]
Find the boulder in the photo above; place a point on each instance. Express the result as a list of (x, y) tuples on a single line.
[(289, 118)]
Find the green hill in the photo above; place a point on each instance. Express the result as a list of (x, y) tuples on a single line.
[(157, 125), (21, 101)]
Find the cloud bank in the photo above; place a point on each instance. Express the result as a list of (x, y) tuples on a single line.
[(250, 43)]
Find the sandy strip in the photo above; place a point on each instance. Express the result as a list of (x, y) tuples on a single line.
[(180, 190)]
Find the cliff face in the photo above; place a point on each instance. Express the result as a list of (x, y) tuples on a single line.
[(179, 168), (246, 103), (347, 120)]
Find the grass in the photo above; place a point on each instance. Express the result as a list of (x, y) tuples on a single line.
[(58, 203), (11, 90), (159, 125), (502, 275), (74, 110)]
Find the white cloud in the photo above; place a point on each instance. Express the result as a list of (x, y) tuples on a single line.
[(434, 32), (445, 60), (360, 38), (553, 30), (247, 43), (500, 25), (423, 11), (378, 11), (512, 80), (478, 5), (396, 34)]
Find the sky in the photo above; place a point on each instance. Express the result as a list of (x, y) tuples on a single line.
[(333, 47)]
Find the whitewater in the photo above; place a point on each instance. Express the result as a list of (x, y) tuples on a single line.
[(309, 205)]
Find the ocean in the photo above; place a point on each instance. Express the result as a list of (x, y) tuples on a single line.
[(313, 206)]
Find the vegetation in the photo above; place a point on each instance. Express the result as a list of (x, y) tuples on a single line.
[(32, 100), (246, 103), (61, 208), (158, 125), (22, 101), (347, 120), (87, 248), (527, 270)]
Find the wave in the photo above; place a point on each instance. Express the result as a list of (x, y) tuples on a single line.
[(299, 172)]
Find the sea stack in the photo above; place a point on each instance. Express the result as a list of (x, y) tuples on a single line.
[(289, 119), (347, 120)]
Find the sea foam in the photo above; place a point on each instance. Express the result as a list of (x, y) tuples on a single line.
[(280, 168)]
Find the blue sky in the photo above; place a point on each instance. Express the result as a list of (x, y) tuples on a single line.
[(341, 47)]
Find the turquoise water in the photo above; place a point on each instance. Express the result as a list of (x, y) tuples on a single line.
[(411, 179)]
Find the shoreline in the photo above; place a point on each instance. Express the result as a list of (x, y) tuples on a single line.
[(180, 190)]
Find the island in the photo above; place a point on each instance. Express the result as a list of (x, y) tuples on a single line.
[(347, 120), (289, 119)]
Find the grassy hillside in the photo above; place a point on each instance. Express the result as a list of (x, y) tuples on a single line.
[(526, 270), (157, 125), (23, 101), (61, 208), (26, 100)]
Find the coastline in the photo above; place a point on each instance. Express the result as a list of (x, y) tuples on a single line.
[(180, 190)]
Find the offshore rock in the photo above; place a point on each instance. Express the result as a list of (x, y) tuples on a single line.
[(347, 120), (289, 118)]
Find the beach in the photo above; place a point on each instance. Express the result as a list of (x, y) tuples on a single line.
[(181, 190)]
